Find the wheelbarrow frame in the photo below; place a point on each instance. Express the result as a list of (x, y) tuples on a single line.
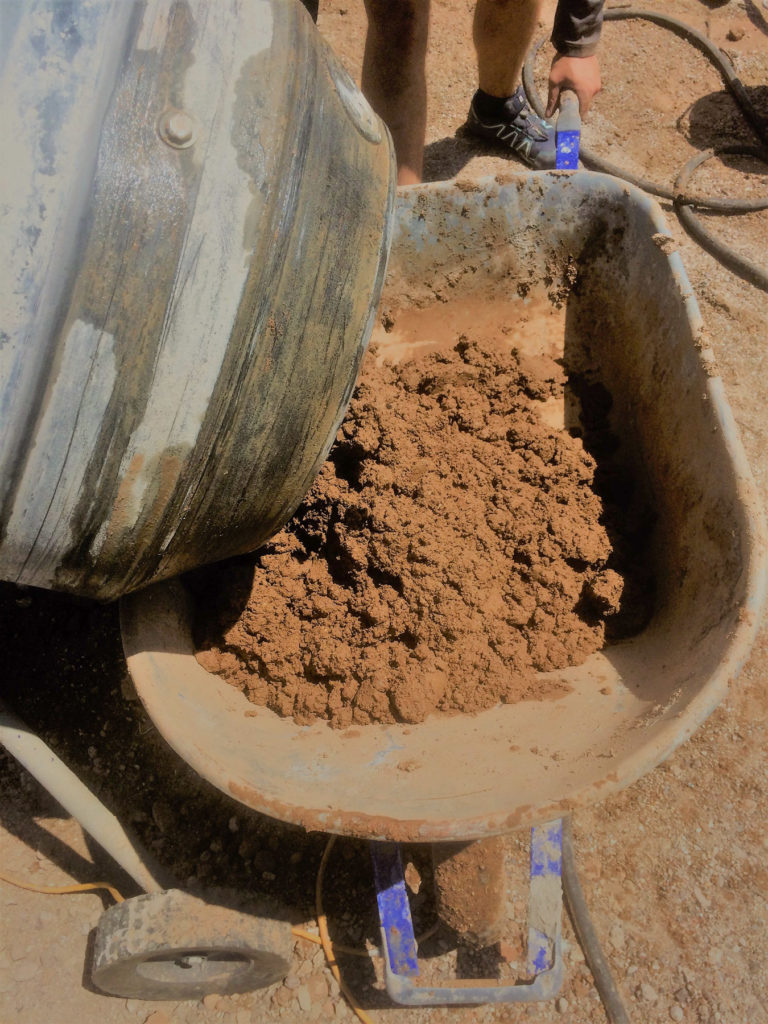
[(214, 728), (601, 250)]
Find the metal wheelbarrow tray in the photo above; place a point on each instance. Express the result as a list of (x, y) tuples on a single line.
[(595, 252)]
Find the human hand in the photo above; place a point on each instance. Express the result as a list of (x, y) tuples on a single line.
[(582, 74)]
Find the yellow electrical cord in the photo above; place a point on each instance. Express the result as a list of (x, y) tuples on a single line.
[(325, 938), (56, 890), (370, 954), (301, 933)]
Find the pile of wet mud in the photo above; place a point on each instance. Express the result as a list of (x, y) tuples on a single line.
[(453, 546)]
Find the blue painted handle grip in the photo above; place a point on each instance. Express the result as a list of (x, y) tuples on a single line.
[(568, 132)]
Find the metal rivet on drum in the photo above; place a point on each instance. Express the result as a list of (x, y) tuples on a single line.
[(177, 129)]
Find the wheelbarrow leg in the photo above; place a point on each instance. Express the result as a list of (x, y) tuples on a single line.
[(544, 960), (75, 797)]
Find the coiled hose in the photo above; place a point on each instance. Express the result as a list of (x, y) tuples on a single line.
[(682, 202), (585, 933)]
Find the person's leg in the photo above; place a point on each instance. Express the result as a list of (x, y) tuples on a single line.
[(394, 80), (503, 31)]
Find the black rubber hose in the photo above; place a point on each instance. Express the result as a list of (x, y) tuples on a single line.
[(715, 54), (728, 257), (591, 159), (585, 933), (682, 201)]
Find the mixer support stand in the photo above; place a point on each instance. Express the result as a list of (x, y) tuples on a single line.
[(544, 959)]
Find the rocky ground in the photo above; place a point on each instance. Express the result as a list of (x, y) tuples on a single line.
[(674, 867)]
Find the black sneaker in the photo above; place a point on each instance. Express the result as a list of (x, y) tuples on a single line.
[(517, 128)]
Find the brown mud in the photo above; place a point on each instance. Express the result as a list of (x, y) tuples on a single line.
[(470, 885), (453, 546)]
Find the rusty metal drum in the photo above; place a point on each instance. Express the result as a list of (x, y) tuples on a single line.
[(194, 224)]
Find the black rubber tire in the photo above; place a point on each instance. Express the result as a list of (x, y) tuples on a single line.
[(171, 945)]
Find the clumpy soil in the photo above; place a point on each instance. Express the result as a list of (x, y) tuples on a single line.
[(452, 546)]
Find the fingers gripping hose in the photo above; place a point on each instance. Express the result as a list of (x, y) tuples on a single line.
[(677, 195)]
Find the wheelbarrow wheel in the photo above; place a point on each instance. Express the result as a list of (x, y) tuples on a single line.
[(171, 945)]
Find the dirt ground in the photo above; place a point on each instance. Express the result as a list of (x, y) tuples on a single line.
[(675, 868)]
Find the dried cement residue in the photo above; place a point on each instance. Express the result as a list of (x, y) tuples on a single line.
[(452, 546)]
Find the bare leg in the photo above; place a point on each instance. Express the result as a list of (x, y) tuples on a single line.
[(502, 32), (394, 80)]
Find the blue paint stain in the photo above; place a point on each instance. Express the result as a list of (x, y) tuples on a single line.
[(381, 755), (567, 158), (541, 868), (541, 961), (555, 833), (546, 850), (394, 909)]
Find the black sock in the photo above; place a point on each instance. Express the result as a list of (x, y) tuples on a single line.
[(490, 107)]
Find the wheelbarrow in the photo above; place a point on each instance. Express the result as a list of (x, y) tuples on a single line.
[(590, 259)]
